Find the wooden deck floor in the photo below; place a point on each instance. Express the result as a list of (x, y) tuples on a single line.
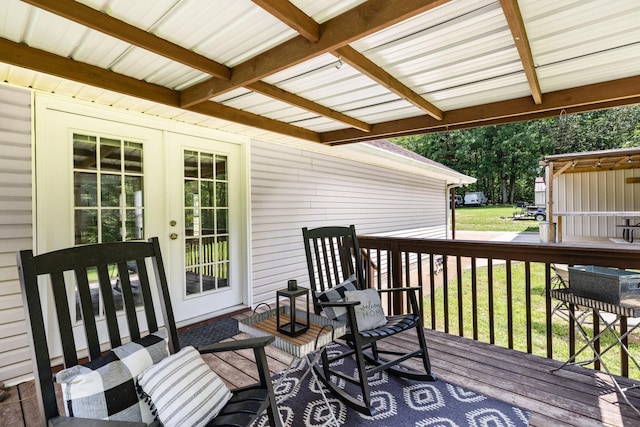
[(573, 396)]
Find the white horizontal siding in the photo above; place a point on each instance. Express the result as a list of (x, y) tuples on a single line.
[(595, 191), (15, 228), (293, 188)]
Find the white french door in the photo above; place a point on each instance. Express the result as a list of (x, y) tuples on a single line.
[(95, 182), (207, 226)]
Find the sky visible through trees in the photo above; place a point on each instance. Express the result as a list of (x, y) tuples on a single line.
[(505, 158)]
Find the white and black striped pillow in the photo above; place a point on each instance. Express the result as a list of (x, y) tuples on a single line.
[(184, 390)]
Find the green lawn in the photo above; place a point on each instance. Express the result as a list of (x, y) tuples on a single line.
[(492, 218)]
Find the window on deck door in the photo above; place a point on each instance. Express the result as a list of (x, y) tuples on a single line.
[(108, 202), (206, 222)]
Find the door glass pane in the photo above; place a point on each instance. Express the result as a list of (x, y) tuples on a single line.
[(222, 261), (206, 222), (206, 166), (86, 226), (207, 194), (108, 200), (221, 167), (84, 152), (222, 221), (221, 195), (134, 224), (110, 190), (111, 226), (190, 164), (133, 191), (110, 150), (208, 264), (132, 157), (190, 192), (86, 189)]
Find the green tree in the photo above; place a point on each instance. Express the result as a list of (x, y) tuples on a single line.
[(505, 158)]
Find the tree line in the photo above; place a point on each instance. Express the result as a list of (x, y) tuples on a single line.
[(505, 158)]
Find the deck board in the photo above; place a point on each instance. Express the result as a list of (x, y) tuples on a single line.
[(573, 396)]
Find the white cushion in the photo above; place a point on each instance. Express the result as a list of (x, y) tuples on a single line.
[(369, 313), (184, 390), (105, 388)]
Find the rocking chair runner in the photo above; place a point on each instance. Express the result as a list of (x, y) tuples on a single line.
[(245, 404), (333, 258)]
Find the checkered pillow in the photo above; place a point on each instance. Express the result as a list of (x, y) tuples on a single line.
[(184, 390), (105, 388), (336, 294)]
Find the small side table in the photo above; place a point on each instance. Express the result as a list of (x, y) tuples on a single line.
[(568, 298), (322, 331)]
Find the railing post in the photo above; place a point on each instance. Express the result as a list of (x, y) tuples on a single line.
[(396, 276)]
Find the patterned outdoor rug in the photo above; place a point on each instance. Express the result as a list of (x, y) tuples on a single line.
[(209, 333), (402, 403)]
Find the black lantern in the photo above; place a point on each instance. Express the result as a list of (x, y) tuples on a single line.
[(295, 326)]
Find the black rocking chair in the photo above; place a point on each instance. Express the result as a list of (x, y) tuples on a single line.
[(333, 257), (69, 268)]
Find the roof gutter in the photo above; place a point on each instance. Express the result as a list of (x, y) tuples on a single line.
[(406, 164)]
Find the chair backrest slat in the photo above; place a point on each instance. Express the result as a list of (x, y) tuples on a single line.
[(127, 299), (88, 314), (74, 269), (110, 314), (64, 318), (146, 293)]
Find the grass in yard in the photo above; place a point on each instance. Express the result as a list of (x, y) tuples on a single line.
[(492, 218), (500, 315)]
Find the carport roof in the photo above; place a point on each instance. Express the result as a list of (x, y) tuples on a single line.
[(590, 161), (332, 71)]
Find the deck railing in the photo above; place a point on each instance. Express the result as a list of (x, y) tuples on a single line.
[(470, 269)]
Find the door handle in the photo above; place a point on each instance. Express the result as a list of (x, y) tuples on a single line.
[(173, 236)]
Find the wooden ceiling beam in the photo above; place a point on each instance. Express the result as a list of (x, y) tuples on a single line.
[(298, 101), (562, 169), (38, 60), (356, 23), (370, 69), (89, 17), (288, 13), (253, 120), (24, 56), (516, 24), (596, 96), (626, 159)]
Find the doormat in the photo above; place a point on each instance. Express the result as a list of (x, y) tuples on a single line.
[(209, 333), (401, 402)]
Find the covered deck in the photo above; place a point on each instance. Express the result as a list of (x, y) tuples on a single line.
[(517, 372), (573, 396)]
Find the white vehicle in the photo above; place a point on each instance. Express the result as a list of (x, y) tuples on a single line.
[(476, 198)]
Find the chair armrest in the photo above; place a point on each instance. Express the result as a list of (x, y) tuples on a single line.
[(85, 422), (345, 304), (413, 289), (237, 345)]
